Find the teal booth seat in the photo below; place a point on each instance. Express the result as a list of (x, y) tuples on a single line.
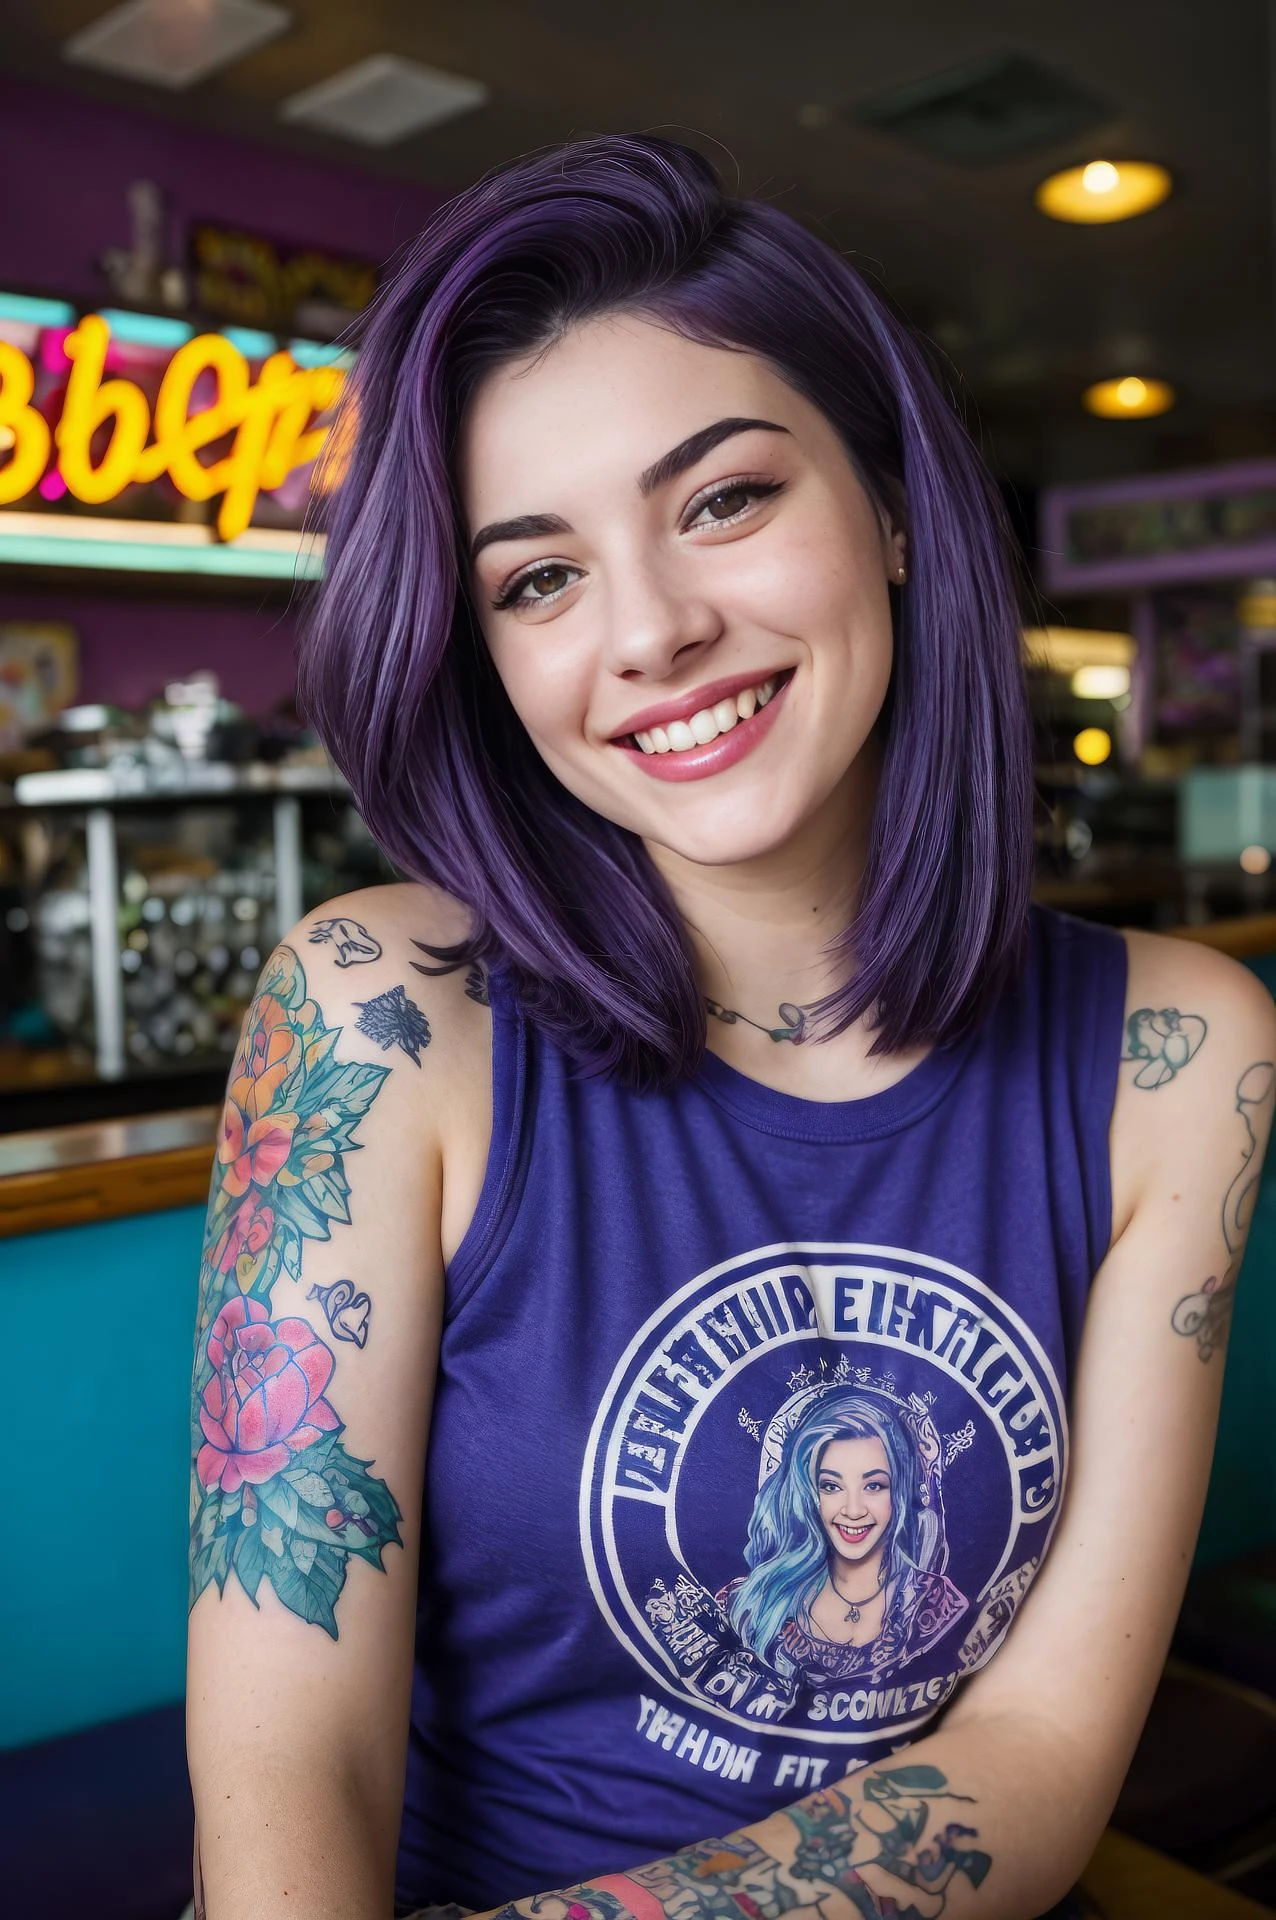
[(94, 1385)]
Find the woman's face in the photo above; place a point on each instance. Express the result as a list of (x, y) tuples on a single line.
[(665, 536), (854, 1484)]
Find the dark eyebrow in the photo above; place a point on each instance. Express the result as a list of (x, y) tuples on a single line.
[(695, 447), (528, 526), (531, 526)]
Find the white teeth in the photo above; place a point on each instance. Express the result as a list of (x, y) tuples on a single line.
[(706, 725)]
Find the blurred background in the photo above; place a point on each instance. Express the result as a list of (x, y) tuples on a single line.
[(1075, 204)]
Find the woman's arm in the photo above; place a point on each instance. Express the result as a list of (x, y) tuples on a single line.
[(315, 1350), (995, 1814)]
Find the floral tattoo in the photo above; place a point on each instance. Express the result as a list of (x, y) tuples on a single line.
[(1163, 1043), (1206, 1316), (887, 1851), (275, 1494)]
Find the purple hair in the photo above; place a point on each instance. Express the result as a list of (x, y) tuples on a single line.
[(398, 681)]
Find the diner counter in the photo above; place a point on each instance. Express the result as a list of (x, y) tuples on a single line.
[(105, 1169)]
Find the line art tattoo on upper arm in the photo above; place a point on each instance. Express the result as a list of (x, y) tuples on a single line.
[(1206, 1316), (346, 1311), (886, 1850), (354, 944), (392, 1020), (476, 987), (1163, 1043), (275, 1494)]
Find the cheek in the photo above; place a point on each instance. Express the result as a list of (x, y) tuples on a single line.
[(546, 681)]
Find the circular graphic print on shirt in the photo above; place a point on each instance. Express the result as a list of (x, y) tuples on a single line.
[(818, 1486)]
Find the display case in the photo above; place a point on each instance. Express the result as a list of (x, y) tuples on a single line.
[(138, 906)]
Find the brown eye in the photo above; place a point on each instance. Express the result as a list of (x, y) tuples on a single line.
[(546, 581), (725, 505)]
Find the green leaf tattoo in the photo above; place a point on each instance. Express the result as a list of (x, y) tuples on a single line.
[(1206, 1316), (1162, 1043), (275, 1494), (884, 1850)]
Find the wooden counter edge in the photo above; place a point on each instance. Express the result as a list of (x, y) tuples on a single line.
[(104, 1190)]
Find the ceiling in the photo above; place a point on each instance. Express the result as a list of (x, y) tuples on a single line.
[(1028, 311)]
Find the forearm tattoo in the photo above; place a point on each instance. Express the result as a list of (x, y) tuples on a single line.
[(889, 1848), (1163, 1043), (1206, 1316), (275, 1494)]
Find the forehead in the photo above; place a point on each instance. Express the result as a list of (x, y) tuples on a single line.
[(854, 1456), (531, 429)]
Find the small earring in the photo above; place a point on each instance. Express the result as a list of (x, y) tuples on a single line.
[(901, 575)]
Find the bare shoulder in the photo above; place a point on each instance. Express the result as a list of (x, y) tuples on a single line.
[(378, 961), (1197, 1050), (1181, 981)]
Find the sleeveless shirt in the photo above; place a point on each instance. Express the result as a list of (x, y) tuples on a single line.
[(678, 1329)]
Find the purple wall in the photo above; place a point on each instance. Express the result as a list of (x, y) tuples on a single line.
[(68, 163)]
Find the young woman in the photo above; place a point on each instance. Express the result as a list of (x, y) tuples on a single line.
[(846, 1544), (709, 1062)]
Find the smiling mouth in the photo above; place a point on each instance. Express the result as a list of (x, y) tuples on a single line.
[(853, 1535), (702, 728)]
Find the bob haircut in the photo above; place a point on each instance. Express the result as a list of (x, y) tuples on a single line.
[(399, 684), (788, 1550)]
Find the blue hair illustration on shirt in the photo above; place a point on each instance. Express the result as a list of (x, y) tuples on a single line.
[(789, 1551)]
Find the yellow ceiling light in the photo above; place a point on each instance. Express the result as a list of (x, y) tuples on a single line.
[(1092, 746), (1104, 191), (1128, 399), (1100, 683), (1069, 649)]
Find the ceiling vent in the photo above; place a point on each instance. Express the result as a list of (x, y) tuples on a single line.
[(991, 110), (174, 43), (382, 100)]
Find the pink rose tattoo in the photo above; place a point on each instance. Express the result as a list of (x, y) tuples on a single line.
[(265, 1400)]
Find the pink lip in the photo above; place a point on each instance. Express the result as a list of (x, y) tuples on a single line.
[(698, 762), (688, 703)]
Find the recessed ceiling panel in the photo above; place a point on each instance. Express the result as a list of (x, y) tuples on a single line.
[(174, 43), (384, 99)]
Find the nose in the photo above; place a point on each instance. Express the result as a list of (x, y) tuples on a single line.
[(656, 621)]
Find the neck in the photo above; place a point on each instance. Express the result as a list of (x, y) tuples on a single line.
[(760, 928)]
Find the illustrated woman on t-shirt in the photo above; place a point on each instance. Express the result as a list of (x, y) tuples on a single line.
[(846, 1546), (709, 1044)]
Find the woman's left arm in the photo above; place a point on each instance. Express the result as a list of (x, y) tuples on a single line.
[(995, 1815)]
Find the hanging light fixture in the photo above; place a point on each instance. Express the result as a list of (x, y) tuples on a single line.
[(1103, 191)]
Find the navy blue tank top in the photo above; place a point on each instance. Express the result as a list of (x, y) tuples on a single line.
[(750, 1429)]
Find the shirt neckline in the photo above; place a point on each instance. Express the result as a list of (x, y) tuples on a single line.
[(871, 1117)]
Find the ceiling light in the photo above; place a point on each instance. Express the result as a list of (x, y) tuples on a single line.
[(1092, 746), (174, 43), (1104, 191), (1129, 398), (1100, 683), (383, 99), (1068, 649), (1255, 859)]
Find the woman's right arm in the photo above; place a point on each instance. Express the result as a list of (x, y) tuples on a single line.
[(315, 1350)]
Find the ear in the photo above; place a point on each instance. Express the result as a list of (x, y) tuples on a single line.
[(896, 554)]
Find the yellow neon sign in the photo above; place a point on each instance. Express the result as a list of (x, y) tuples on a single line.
[(271, 423)]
